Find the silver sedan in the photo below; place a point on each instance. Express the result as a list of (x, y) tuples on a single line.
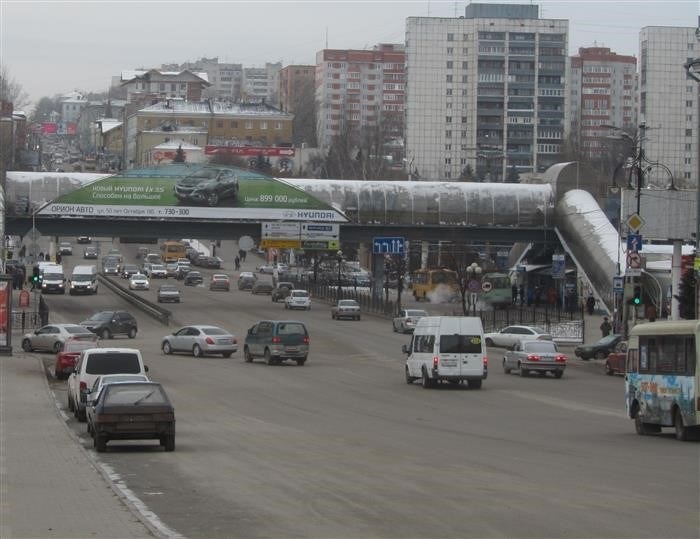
[(407, 320), (200, 341), (52, 337), (529, 356)]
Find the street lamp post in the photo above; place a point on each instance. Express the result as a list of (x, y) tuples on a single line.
[(339, 256), (692, 68), (474, 275)]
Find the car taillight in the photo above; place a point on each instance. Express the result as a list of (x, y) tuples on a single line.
[(435, 362), (209, 340), (83, 386), (235, 341), (305, 340), (561, 359), (533, 357), (486, 362), (276, 340)]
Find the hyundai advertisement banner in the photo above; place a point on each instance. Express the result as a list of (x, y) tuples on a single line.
[(209, 192)]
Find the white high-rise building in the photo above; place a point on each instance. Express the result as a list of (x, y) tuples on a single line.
[(485, 91), (668, 104)]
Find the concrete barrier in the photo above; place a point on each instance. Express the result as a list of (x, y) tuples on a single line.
[(148, 307)]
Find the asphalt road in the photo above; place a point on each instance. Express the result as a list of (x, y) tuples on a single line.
[(343, 447)]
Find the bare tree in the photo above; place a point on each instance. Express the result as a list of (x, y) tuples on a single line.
[(459, 258), (304, 123), (12, 91)]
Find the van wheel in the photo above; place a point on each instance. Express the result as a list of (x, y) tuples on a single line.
[(100, 442), (524, 372), (132, 333), (247, 355), (409, 378), (169, 442), (558, 374), (426, 382), (301, 361), (505, 369), (105, 334), (268, 357), (475, 384)]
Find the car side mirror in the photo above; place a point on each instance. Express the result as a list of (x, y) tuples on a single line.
[(145, 368)]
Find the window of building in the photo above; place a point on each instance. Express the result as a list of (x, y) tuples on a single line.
[(449, 64), (448, 91), (464, 79), (689, 104), (448, 78), (450, 51), (448, 119), (688, 147), (248, 124), (686, 175), (219, 123), (161, 86), (688, 132), (234, 124), (263, 125), (448, 160), (448, 134), (465, 65), (450, 37), (448, 147)]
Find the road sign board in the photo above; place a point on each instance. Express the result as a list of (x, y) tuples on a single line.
[(24, 298), (280, 230), (275, 243), (474, 285), (634, 260), (618, 283), (390, 245), (486, 286), (635, 222), (633, 272), (634, 242), (320, 245), (320, 231)]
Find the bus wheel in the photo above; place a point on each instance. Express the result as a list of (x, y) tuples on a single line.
[(681, 429)]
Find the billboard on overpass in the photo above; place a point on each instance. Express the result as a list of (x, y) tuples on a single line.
[(208, 192)]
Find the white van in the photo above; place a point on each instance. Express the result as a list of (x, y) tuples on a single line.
[(52, 279), (447, 348), (83, 280)]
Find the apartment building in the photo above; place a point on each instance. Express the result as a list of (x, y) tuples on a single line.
[(362, 89), (260, 84), (602, 92), (72, 105), (295, 81), (225, 78), (668, 104), (142, 85), (485, 92)]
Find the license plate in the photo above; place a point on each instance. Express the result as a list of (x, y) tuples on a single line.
[(223, 341), (134, 418), (292, 349)]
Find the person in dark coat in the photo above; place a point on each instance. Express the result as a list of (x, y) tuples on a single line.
[(514, 293), (521, 293), (590, 304)]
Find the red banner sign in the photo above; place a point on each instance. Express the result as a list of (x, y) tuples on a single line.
[(24, 298), (249, 151)]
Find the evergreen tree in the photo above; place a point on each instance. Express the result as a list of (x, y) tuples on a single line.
[(686, 295), (179, 155)]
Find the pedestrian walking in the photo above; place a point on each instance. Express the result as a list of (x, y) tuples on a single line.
[(514, 293), (605, 327), (590, 304), (237, 262), (651, 312), (521, 293)]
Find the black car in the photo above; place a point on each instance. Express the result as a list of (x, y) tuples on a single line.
[(213, 262), (84, 239), (128, 270), (207, 186), (90, 252), (281, 291), (193, 278), (598, 350), (107, 324)]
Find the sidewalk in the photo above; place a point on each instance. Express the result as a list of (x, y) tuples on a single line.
[(49, 484)]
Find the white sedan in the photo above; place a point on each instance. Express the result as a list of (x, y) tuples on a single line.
[(298, 299), (200, 340), (139, 281), (510, 335)]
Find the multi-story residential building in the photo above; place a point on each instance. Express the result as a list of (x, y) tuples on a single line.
[(72, 105), (225, 78), (361, 89), (295, 82), (485, 92), (152, 84), (668, 104), (260, 84), (204, 122), (601, 93), (88, 139)]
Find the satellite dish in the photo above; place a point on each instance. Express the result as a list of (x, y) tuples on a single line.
[(246, 243)]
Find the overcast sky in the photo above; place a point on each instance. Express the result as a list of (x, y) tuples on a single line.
[(54, 47)]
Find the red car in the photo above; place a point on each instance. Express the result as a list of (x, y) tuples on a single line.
[(67, 358), (615, 362)]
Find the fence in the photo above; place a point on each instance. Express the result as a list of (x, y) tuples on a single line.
[(23, 321)]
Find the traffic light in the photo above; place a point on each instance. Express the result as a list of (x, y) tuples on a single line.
[(35, 275), (637, 295)]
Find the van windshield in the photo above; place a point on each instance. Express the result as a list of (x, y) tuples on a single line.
[(112, 363), (460, 344), (53, 276), (82, 277)]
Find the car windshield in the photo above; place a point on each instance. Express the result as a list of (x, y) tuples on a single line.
[(104, 315), (605, 341), (157, 267), (291, 328), (539, 346), (204, 173), (220, 278), (112, 363), (347, 303), (141, 393), (300, 294), (416, 313), (214, 331), (168, 288), (53, 276)]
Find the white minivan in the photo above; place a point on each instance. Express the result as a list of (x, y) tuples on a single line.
[(447, 348), (83, 280)]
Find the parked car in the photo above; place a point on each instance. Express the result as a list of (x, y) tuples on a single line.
[(276, 341), (168, 293), (90, 253), (220, 281), (617, 359), (52, 337), (208, 185), (531, 355), (95, 362), (200, 341), (212, 262), (298, 299), (193, 278), (93, 392), (407, 319), (139, 281), (508, 336), (65, 248), (598, 350), (67, 357), (133, 411), (262, 288), (246, 280), (107, 324), (346, 308), (130, 270), (282, 290)]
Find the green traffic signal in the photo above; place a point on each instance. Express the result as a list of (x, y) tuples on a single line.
[(637, 301)]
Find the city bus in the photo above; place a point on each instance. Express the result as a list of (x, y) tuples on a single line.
[(501, 293), (662, 384), (170, 251), (434, 285)]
